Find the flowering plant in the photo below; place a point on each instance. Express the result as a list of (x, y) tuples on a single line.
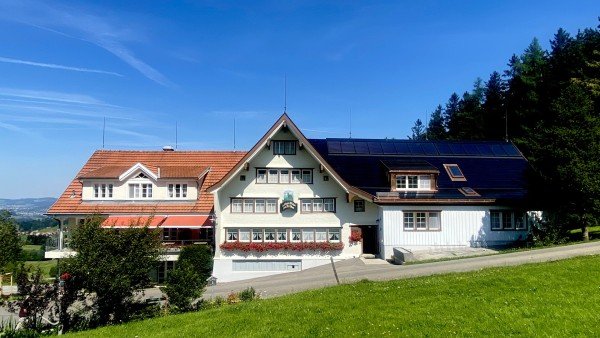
[(355, 235), (266, 246)]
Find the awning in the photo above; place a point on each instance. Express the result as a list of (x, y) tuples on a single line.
[(127, 221), (186, 222)]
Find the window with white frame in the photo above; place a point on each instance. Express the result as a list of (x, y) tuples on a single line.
[(334, 235), (269, 235), (321, 235), (281, 235), (140, 190), (257, 235), (413, 182), (315, 205), (244, 235), (103, 190), (265, 235), (308, 235), (284, 176), (232, 235), (296, 235), (284, 147), (422, 220), (508, 220), (254, 205), (177, 190)]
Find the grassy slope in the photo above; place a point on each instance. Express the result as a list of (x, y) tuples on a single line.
[(557, 299)]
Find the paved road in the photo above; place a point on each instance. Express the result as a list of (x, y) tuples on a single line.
[(356, 269)]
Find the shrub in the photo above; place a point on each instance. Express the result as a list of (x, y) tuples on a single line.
[(233, 298), (248, 295)]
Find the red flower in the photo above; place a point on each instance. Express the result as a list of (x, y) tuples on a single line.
[(355, 236)]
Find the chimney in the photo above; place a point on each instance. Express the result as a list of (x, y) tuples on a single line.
[(168, 148)]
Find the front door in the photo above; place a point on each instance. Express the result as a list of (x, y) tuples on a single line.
[(369, 239)]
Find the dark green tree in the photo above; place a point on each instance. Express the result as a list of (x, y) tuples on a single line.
[(10, 243), (493, 108), (113, 265), (451, 119), (418, 131), (436, 129)]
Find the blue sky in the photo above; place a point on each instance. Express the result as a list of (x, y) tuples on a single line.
[(65, 65)]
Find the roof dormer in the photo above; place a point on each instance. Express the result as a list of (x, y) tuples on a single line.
[(410, 175)]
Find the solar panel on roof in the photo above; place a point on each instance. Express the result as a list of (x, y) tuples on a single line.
[(444, 149), (498, 150), (375, 148), (361, 147), (415, 148), (429, 149), (401, 148), (510, 149), (388, 148), (348, 148), (471, 149), (334, 147), (485, 150), (457, 149)]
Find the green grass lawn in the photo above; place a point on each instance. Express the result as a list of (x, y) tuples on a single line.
[(45, 266), (550, 299)]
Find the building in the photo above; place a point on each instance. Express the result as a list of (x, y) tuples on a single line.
[(291, 203)]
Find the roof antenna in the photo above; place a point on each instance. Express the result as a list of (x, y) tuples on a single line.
[(103, 130), (234, 132), (350, 122), (285, 94), (175, 135)]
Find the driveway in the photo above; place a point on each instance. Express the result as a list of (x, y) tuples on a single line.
[(356, 269)]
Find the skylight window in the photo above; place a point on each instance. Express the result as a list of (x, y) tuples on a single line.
[(468, 191), (454, 172)]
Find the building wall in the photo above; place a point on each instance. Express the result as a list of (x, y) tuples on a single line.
[(121, 189), (460, 226), (343, 218)]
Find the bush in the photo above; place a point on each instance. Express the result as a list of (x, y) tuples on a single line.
[(199, 257), (233, 298), (248, 295)]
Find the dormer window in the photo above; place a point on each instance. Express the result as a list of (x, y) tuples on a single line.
[(103, 190), (454, 172), (177, 190), (141, 175), (140, 190), (413, 182)]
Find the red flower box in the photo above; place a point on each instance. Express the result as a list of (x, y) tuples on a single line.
[(268, 246), (355, 236)]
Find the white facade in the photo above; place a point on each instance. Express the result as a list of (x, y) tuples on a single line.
[(468, 226), (227, 266)]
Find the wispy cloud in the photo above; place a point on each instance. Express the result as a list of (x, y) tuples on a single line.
[(50, 96), (55, 66), (102, 31)]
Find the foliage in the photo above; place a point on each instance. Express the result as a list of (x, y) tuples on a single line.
[(10, 243), (418, 131), (39, 239), (186, 282), (110, 268), (541, 299), (262, 247), (248, 295), (37, 224), (233, 298)]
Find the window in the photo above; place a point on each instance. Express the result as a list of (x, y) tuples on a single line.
[(273, 176), (469, 192), (296, 237), (140, 190), (269, 235), (169, 234), (508, 220), (177, 190), (296, 176), (103, 190), (254, 205), (244, 235), (257, 235), (413, 182), (232, 235), (329, 204), (307, 176), (359, 205), (281, 235), (308, 205), (261, 176), (284, 147), (422, 220), (321, 235), (284, 176), (308, 235), (236, 205), (334, 235), (454, 172)]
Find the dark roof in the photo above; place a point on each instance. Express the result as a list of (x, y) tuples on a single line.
[(494, 169)]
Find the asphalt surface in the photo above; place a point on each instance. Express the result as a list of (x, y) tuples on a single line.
[(355, 269)]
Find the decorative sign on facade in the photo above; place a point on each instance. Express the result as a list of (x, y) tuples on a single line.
[(288, 201)]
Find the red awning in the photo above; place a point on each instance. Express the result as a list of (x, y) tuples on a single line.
[(126, 221), (187, 222)]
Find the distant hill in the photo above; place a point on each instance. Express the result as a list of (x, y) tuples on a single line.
[(27, 208)]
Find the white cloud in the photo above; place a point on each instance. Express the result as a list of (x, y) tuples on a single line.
[(50, 96), (55, 66)]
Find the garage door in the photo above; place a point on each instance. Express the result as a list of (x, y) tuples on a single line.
[(245, 265)]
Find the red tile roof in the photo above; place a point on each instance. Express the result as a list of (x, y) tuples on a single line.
[(184, 164)]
